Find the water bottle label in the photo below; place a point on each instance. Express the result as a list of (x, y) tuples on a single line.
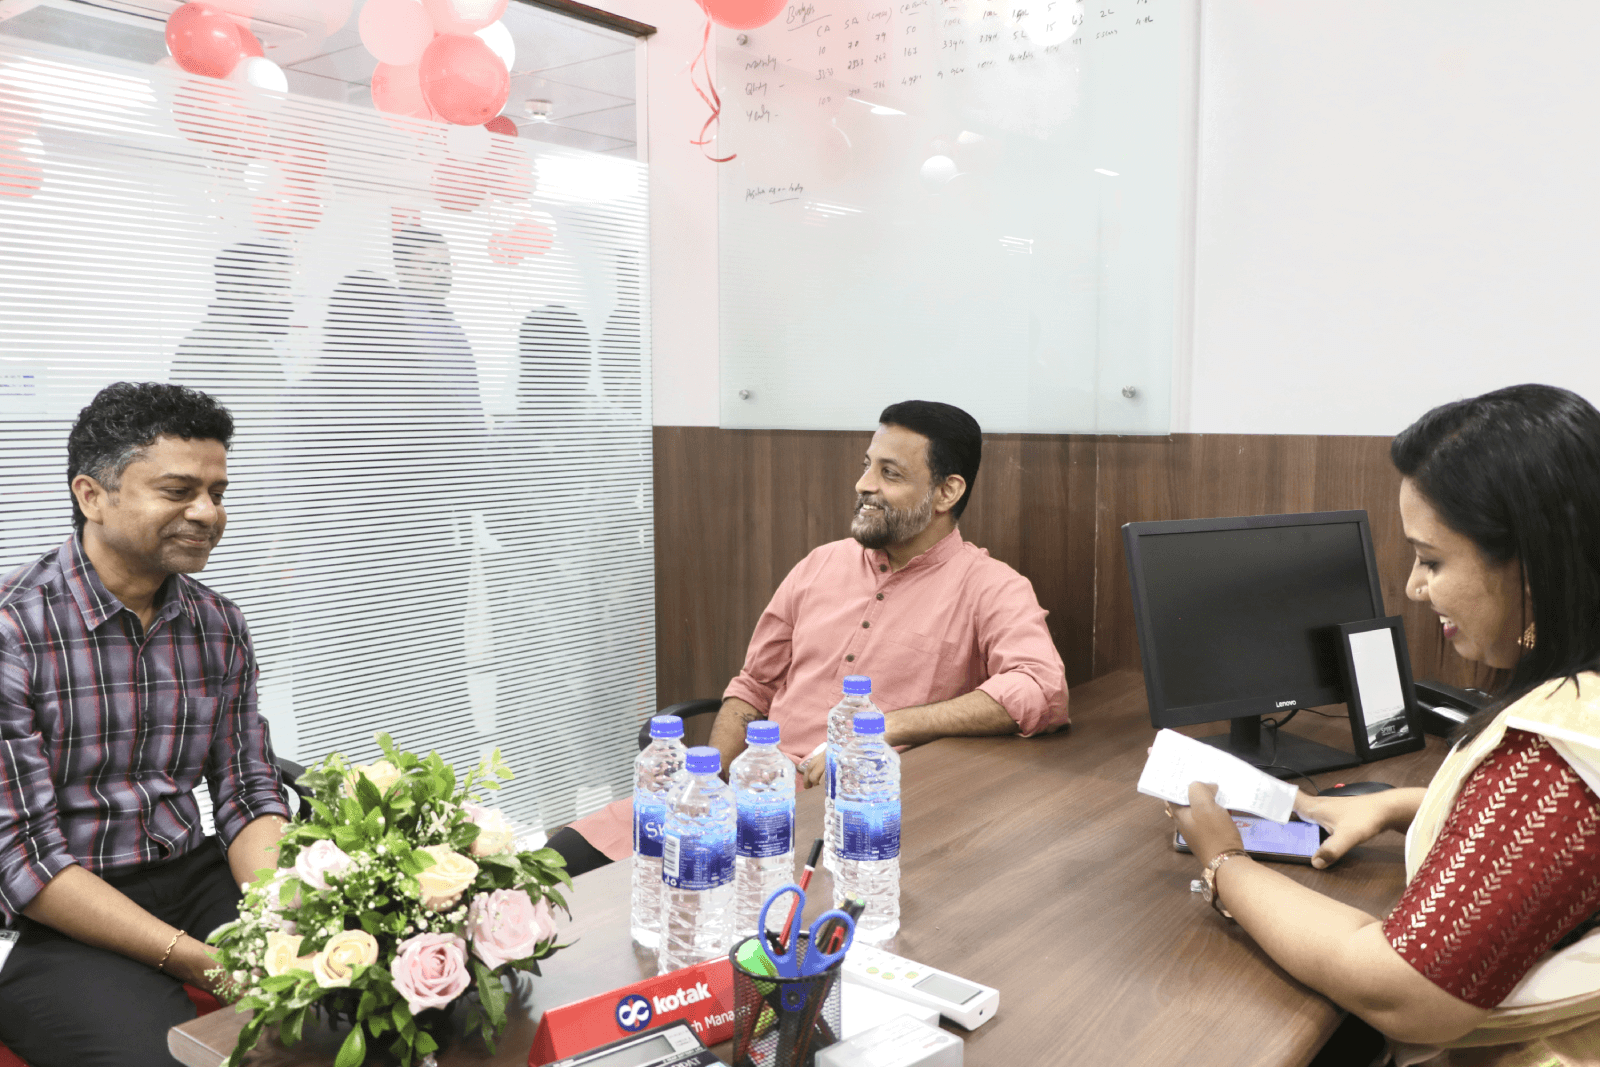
[(649, 822), (766, 825), (697, 862), (868, 830)]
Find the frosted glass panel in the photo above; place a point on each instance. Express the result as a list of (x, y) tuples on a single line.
[(961, 201), (435, 345)]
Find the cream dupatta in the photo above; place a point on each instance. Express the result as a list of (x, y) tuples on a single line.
[(1551, 1017)]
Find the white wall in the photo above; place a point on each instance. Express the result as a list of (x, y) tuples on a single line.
[(1398, 205)]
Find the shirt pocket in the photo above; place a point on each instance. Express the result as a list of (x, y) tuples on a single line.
[(178, 732), (934, 670)]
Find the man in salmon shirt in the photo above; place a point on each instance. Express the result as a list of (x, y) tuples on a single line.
[(955, 642)]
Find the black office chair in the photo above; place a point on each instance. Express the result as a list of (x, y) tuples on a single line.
[(698, 716), (290, 771)]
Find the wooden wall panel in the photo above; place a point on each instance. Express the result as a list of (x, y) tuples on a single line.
[(735, 509)]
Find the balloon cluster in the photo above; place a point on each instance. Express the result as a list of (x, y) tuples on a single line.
[(209, 40), (440, 59)]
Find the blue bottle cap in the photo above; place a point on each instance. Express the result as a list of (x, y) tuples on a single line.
[(666, 726), (703, 759), (761, 732), (858, 685), (867, 722)]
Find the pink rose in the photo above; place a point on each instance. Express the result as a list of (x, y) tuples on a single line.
[(504, 925), (315, 864), (495, 832), (430, 970)]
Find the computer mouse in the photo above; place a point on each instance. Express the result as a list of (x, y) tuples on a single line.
[(1355, 789)]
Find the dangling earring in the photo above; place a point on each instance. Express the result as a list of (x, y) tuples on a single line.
[(1526, 640)]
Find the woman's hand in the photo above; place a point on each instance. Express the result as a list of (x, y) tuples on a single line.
[(1205, 825), (1350, 820)]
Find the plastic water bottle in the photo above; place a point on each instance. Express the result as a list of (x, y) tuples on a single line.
[(857, 697), (763, 795), (653, 774), (869, 829), (697, 866)]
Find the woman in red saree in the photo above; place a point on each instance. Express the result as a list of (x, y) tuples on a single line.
[(1492, 955)]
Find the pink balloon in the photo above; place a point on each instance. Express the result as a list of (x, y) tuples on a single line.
[(502, 125), (249, 44), (463, 17), (527, 238), (463, 80), (742, 14), (203, 40), (335, 13), (395, 89), (395, 31)]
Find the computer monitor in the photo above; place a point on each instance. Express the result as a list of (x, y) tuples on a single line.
[(1238, 618)]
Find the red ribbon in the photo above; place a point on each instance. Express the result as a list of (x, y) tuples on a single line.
[(713, 101)]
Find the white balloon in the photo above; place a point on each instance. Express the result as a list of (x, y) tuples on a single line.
[(263, 74), (498, 38), (937, 170)]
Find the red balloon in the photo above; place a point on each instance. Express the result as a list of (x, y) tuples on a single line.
[(19, 176), (463, 80), (742, 14), (203, 40), (462, 17), (396, 90), (395, 31), (527, 238), (249, 44), (502, 125)]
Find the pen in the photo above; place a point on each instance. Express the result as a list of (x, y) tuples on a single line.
[(805, 883)]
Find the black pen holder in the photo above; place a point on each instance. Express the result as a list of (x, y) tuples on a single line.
[(783, 1022)]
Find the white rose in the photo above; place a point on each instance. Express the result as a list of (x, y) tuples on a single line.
[(336, 964), (495, 833), (382, 774), (283, 951), (441, 885)]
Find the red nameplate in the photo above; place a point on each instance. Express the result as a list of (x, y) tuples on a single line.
[(701, 995)]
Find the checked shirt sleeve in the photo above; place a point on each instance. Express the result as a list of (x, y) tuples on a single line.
[(33, 850), (1515, 867), (241, 770)]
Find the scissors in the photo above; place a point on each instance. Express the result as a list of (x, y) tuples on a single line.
[(791, 960)]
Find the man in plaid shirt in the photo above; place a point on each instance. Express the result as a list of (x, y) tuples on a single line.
[(123, 682)]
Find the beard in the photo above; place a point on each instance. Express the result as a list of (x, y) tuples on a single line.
[(890, 525)]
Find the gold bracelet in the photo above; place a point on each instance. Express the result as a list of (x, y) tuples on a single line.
[(162, 966)]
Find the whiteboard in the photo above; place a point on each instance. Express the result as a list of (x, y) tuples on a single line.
[(984, 203)]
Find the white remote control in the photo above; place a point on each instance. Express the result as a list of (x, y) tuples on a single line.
[(967, 1004)]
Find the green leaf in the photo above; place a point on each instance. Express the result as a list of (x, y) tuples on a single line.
[(401, 1014), (277, 983), (321, 811), (368, 794), (353, 1053), (386, 743), (379, 1025), (347, 838), (491, 994), (372, 922), (350, 810), (425, 1043), (289, 1029), (369, 1001), (373, 823), (422, 859)]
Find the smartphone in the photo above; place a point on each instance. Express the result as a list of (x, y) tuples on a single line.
[(1295, 841)]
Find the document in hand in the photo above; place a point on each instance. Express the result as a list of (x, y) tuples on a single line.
[(1176, 760)]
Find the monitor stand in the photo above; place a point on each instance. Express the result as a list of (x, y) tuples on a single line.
[(1282, 754)]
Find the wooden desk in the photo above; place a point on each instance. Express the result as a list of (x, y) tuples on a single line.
[(1032, 866)]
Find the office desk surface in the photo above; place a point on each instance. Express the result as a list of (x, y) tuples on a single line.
[(1032, 865)]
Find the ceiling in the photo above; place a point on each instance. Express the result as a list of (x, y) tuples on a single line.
[(583, 74)]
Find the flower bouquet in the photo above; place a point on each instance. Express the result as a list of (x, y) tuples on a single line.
[(400, 897)]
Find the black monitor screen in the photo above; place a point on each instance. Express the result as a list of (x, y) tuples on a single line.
[(1240, 621)]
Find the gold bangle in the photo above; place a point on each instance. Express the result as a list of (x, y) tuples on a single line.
[(162, 966)]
